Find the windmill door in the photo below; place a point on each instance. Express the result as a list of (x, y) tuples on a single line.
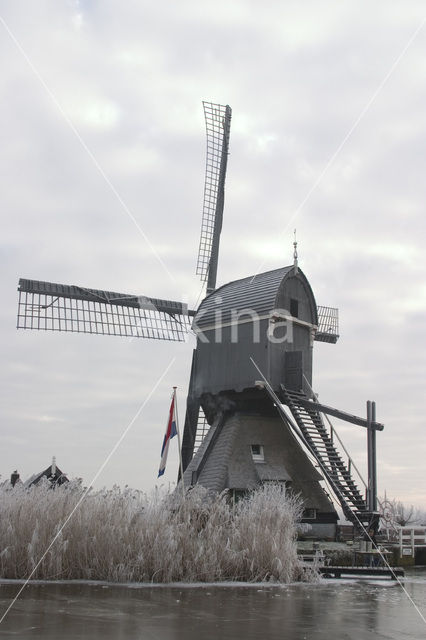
[(293, 370)]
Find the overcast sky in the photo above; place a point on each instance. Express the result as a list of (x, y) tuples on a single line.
[(102, 137)]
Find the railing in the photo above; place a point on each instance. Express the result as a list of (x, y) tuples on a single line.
[(410, 539), (328, 325)]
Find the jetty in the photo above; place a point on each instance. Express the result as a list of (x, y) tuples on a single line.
[(392, 573)]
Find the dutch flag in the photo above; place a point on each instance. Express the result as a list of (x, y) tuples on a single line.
[(171, 431)]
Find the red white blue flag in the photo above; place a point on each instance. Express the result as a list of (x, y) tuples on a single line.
[(171, 431)]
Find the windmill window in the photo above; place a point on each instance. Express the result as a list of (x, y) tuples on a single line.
[(294, 307), (309, 514), (257, 453)]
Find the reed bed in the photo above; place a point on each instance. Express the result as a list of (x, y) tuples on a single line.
[(127, 536)]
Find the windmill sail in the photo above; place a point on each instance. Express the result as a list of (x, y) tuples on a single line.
[(218, 123), (48, 306)]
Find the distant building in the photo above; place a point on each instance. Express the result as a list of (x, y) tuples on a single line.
[(53, 474)]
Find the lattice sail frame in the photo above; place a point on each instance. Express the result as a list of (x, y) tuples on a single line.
[(48, 306), (328, 324), (218, 123)]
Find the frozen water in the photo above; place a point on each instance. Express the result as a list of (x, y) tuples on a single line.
[(329, 610)]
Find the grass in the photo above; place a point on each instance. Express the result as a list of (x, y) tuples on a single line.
[(127, 536)]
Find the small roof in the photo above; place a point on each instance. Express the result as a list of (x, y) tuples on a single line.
[(53, 474), (258, 293)]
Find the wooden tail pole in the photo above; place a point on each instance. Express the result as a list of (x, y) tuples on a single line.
[(371, 450), (374, 457)]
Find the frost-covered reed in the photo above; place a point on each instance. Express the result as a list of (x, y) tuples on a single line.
[(127, 536)]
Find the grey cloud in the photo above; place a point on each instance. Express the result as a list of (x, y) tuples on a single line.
[(131, 78)]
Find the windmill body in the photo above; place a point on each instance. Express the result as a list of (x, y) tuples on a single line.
[(250, 388), (265, 323)]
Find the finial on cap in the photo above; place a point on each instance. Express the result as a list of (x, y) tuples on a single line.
[(295, 263)]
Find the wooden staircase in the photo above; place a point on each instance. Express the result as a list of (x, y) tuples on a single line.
[(336, 471)]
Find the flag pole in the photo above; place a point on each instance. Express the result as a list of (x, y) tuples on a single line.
[(179, 444)]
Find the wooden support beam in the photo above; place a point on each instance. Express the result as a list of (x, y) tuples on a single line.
[(342, 415)]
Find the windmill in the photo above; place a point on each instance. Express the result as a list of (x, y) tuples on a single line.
[(251, 413)]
